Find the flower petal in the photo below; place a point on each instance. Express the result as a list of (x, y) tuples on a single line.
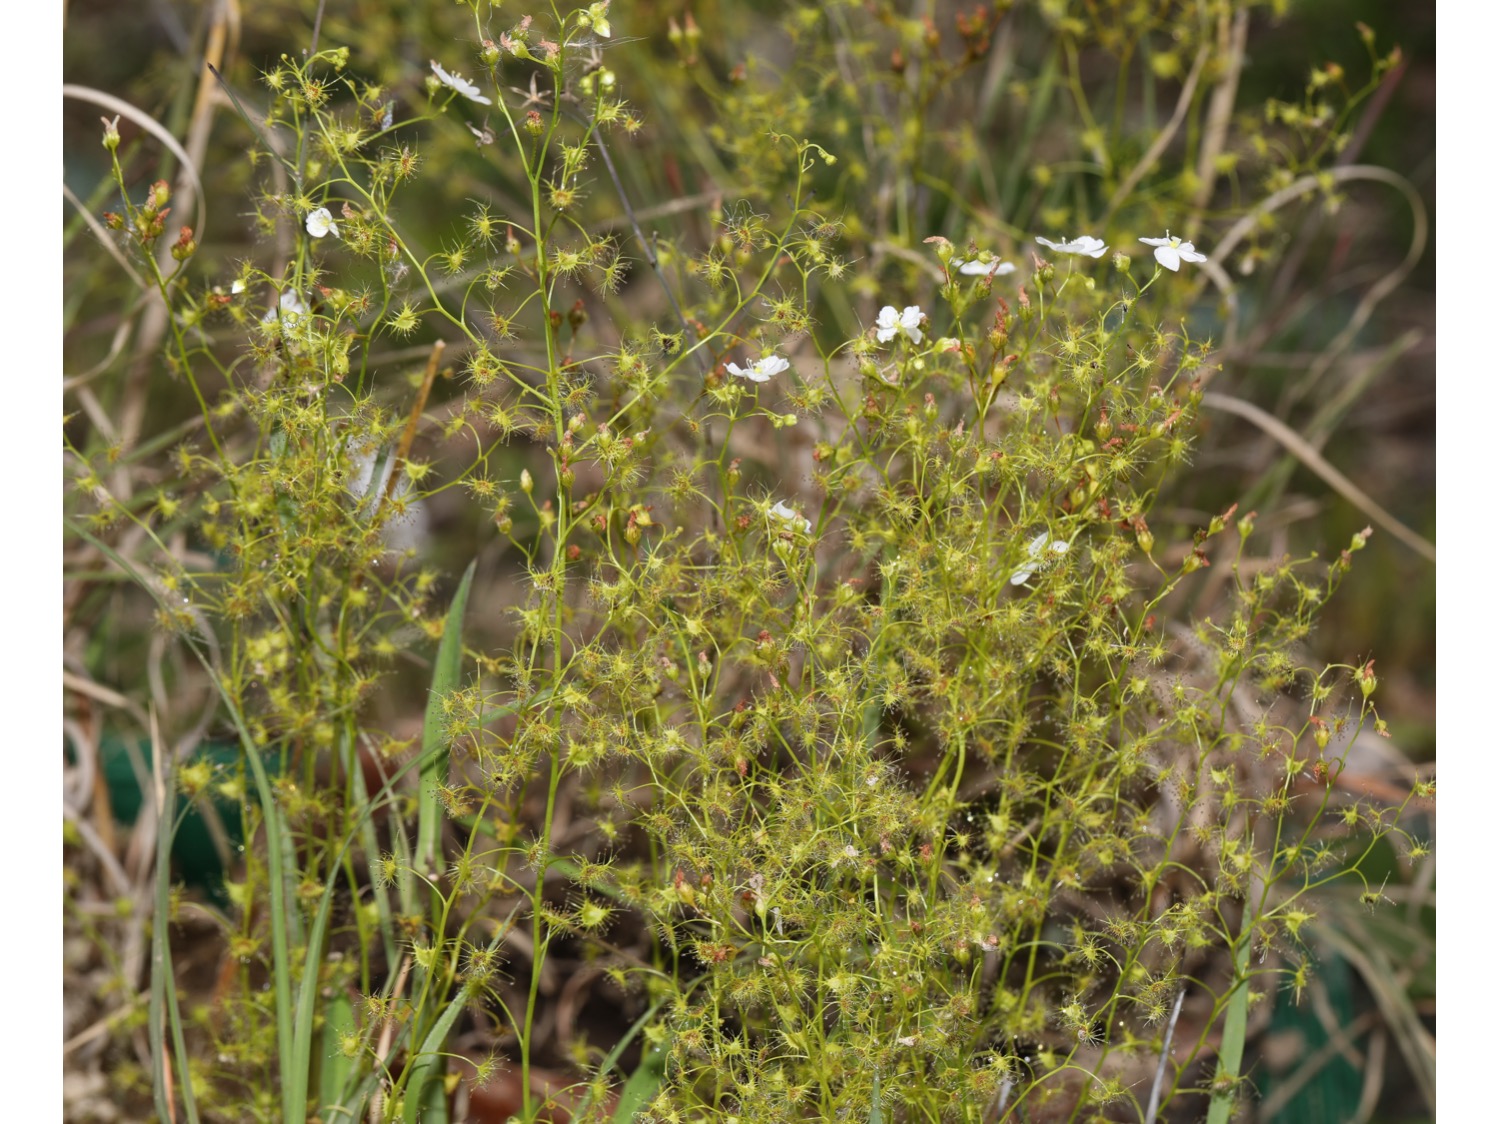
[(459, 83), (1168, 257), (787, 515), (320, 222)]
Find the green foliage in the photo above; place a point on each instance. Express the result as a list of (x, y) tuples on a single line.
[(842, 632)]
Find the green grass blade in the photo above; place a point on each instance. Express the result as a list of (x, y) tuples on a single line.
[(429, 1062), (1231, 1053), (333, 1073), (876, 1114), (445, 673), (371, 844), (163, 1010), (641, 1086)]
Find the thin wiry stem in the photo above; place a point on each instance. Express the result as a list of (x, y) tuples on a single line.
[(1160, 1069), (650, 253)]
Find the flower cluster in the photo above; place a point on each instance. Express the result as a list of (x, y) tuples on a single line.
[(1169, 251)]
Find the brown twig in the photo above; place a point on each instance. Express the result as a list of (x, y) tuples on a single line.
[(1302, 450), (411, 423)]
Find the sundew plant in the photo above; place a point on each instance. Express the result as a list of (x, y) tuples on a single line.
[(712, 660)]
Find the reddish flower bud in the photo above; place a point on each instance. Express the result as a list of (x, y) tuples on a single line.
[(184, 247)]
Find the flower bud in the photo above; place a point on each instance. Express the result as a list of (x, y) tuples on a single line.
[(1366, 679), (1215, 526), (1144, 538), (1246, 525), (534, 124), (160, 195), (1105, 428), (525, 481), (184, 247), (111, 132), (567, 476), (944, 248), (1360, 539), (490, 53)]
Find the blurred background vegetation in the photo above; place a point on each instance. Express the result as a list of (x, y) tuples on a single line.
[(1008, 151)]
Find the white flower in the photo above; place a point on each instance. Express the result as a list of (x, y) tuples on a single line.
[(402, 531), (760, 370), (1171, 252), (460, 83), (906, 323), (320, 222), (1037, 544), (973, 267), (291, 307), (787, 515), (1084, 244), (238, 287)]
